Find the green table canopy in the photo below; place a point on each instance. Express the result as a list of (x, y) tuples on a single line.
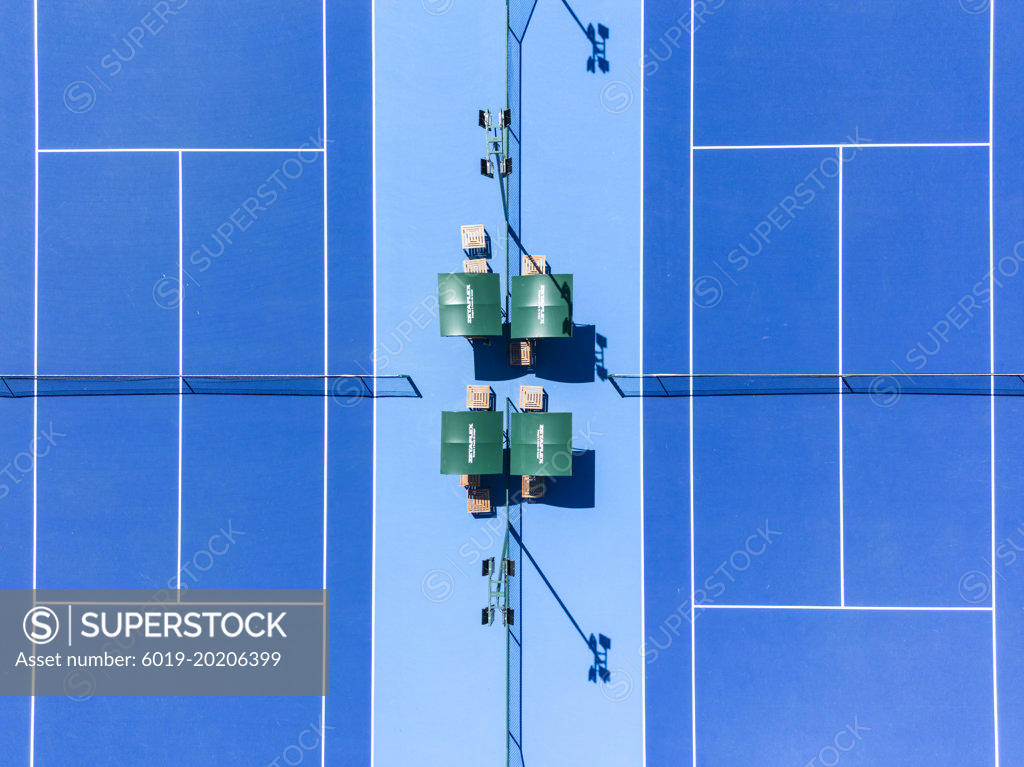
[(471, 442), (542, 306), (469, 304), (541, 444)]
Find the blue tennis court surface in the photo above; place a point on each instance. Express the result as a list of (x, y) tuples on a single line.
[(839, 584), (156, 258), (755, 190)]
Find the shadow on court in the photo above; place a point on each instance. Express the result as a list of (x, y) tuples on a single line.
[(490, 360), (567, 360), (495, 483), (572, 360), (577, 491)]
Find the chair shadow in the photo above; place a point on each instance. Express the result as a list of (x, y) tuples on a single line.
[(577, 491), (484, 252)]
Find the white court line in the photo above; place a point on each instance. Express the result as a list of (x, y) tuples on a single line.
[(323, 698), (850, 608), (845, 145), (842, 487), (373, 449), (179, 149), (992, 361), (643, 574), (693, 630), (35, 356), (181, 340)]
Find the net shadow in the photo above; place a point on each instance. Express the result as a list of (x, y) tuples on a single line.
[(339, 386), (875, 385)]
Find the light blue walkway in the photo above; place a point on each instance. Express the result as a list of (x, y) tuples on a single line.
[(440, 676)]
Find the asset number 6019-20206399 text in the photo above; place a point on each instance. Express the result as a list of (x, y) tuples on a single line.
[(212, 659)]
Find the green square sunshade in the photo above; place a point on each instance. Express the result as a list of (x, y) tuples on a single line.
[(541, 444), (542, 306), (471, 442), (469, 304)]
